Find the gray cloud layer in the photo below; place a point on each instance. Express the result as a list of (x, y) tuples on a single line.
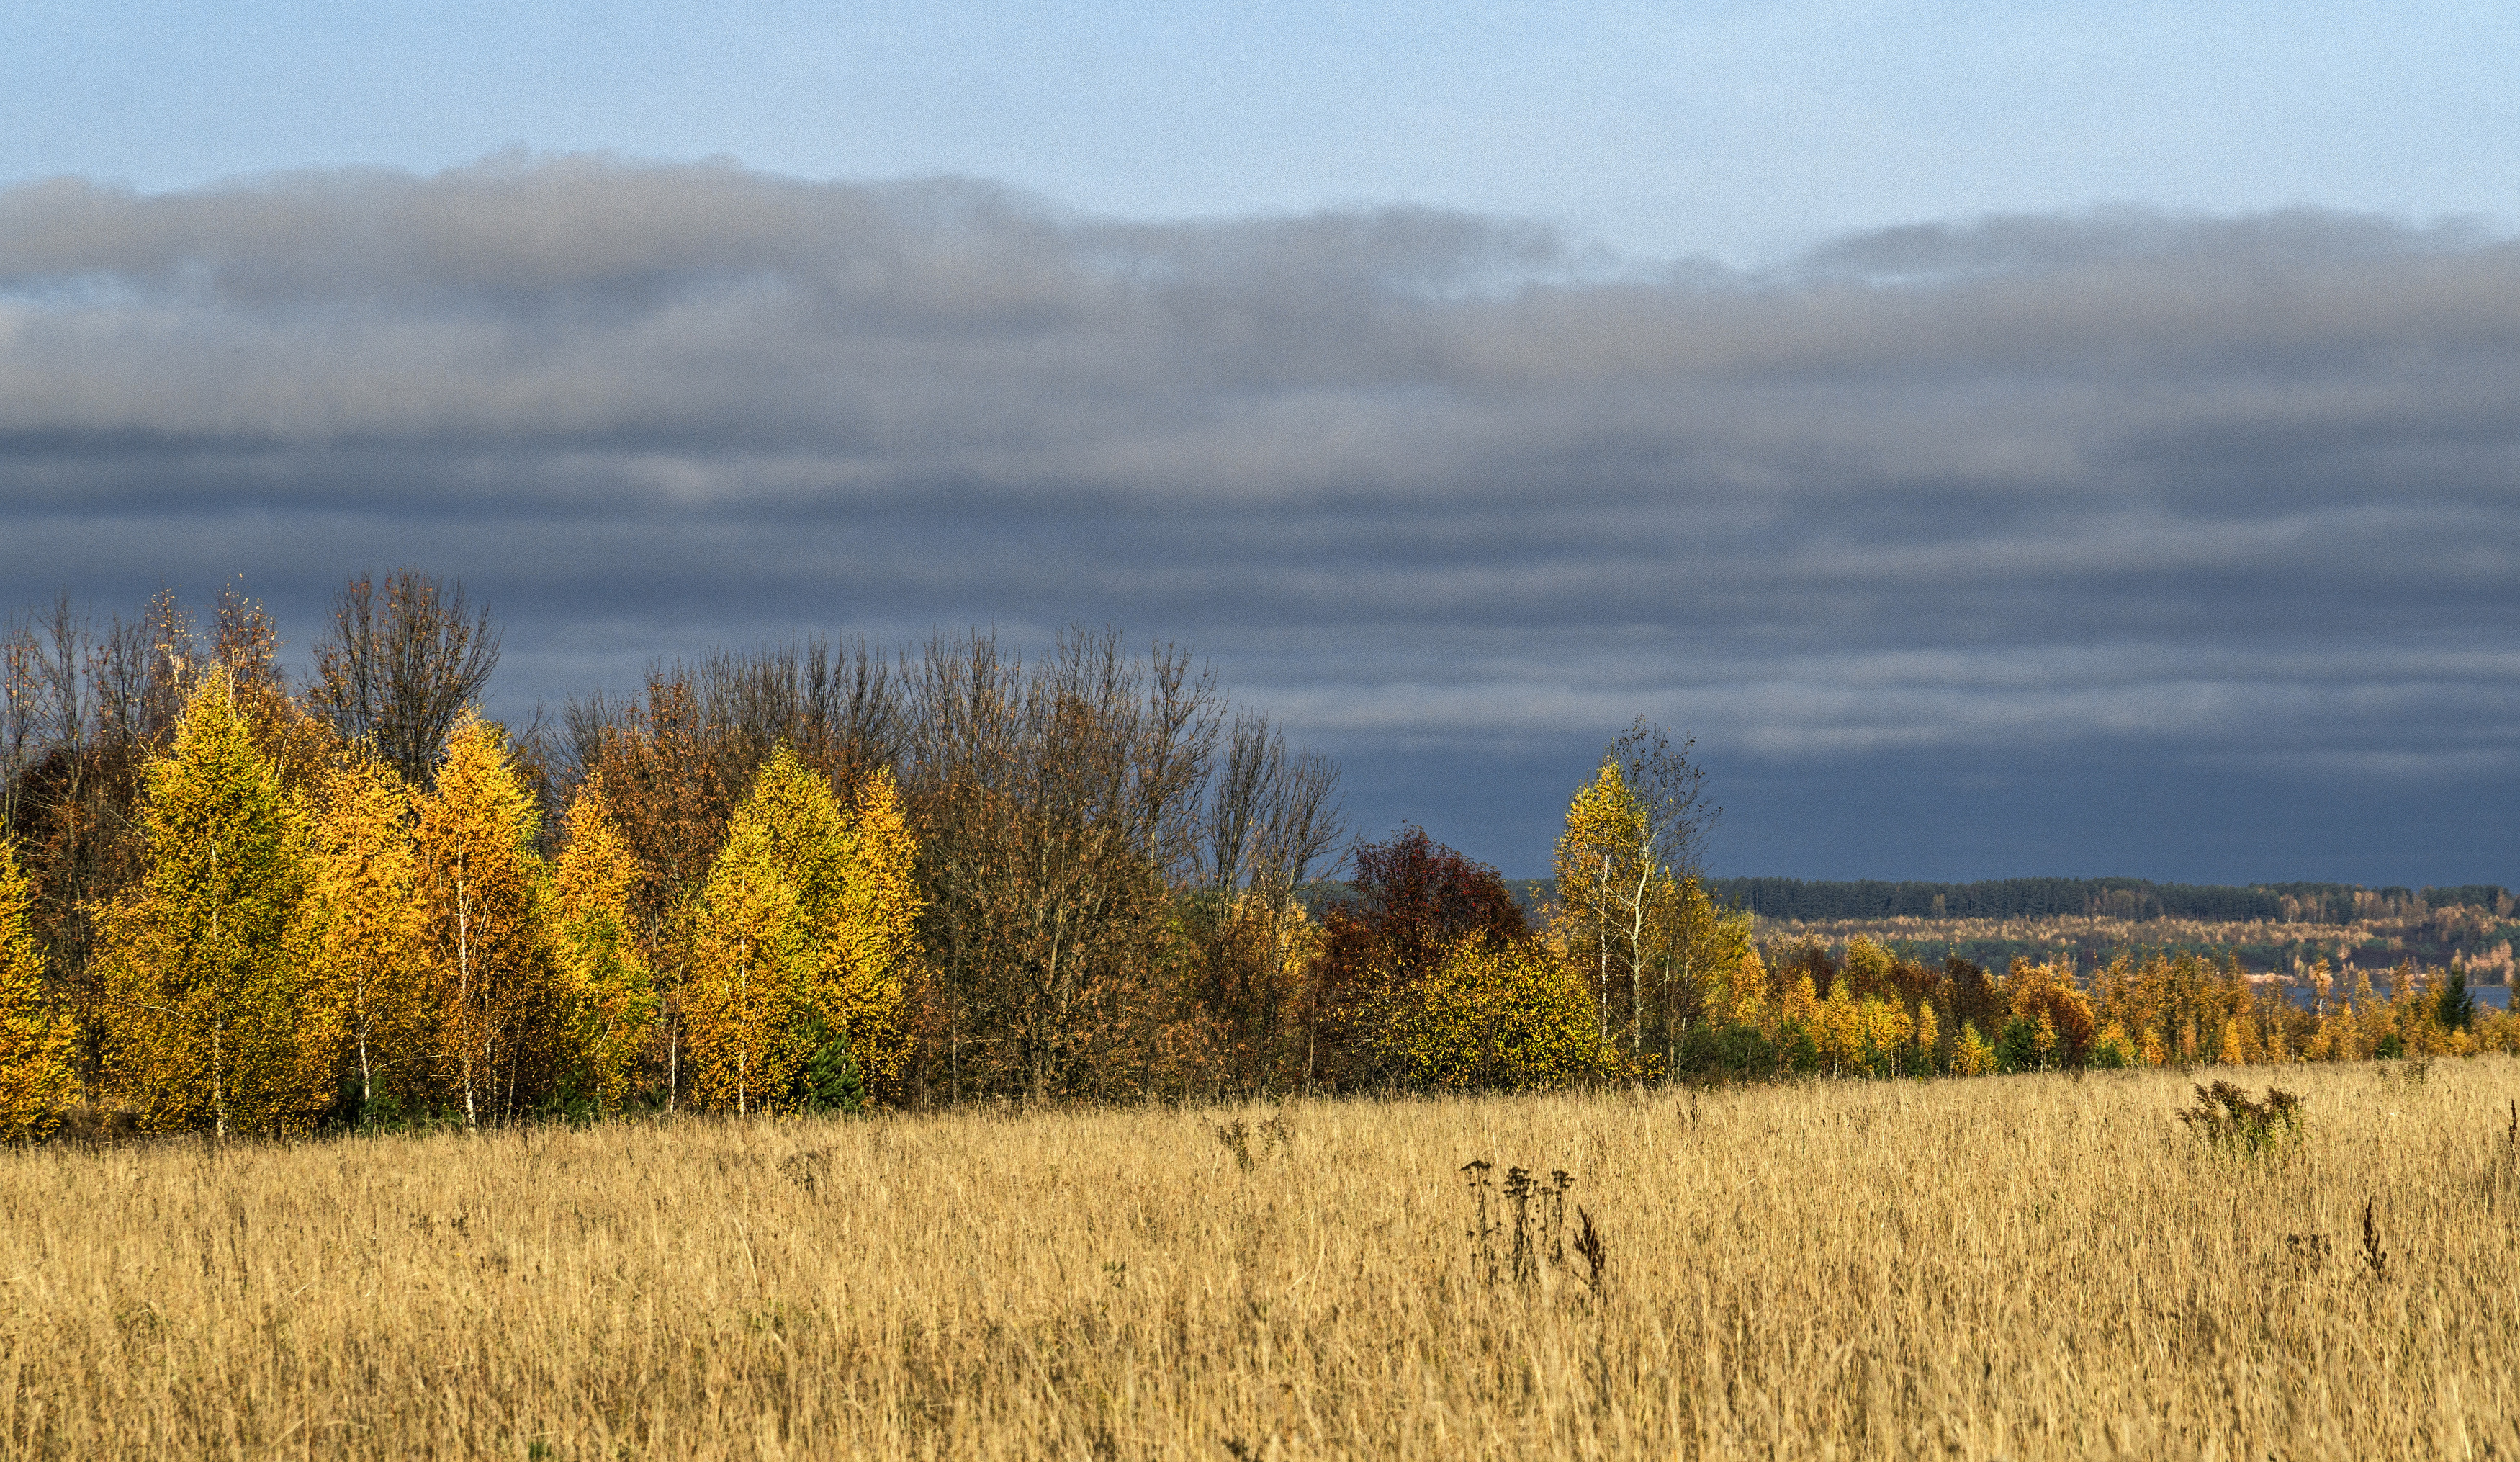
[(2237, 493)]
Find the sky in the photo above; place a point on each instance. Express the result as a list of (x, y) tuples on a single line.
[(2013, 440)]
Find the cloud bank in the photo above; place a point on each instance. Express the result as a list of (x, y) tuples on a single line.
[(2226, 499)]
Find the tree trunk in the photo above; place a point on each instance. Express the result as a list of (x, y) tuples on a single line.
[(463, 990)]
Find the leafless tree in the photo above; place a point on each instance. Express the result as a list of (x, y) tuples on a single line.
[(1670, 792), (400, 664), (1272, 820), (1060, 802)]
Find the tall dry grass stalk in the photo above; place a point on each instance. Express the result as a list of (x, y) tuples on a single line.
[(2033, 1266)]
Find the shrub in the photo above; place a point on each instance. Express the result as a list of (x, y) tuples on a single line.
[(1492, 1018), (1731, 1049), (2016, 1049), (2227, 1116)]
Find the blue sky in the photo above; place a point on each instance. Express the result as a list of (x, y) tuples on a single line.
[(1743, 130), (2016, 440)]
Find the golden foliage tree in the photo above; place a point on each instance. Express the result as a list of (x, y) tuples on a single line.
[(359, 929), (2047, 998), (1604, 881), (203, 995), (501, 1033), (752, 974), (1494, 1017), (35, 1039), (877, 928), (1701, 956), (1971, 1056), (599, 960), (856, 910), (1630, 911)]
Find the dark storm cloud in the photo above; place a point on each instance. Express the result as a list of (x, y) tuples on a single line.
[(2237, 492)]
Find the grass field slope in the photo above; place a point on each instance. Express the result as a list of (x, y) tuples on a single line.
[(2043, 1266)]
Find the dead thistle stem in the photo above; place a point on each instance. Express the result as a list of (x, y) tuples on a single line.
[(1517, 1192), (1237, 1141), (1588, 1243), (2374, 1258), (1483, 1263), (1535, 1211)]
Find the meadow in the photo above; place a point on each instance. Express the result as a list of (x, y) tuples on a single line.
[(2036, 1265)]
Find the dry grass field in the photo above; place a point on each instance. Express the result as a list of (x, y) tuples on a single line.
[(2025, 1266)]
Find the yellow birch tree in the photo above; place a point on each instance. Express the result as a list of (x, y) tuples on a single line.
[(202, 997), (1603, 884), (750, 982), (358, 930), (483, 894), (614, 993), (857, 909), (876, 929), (35, 1039)]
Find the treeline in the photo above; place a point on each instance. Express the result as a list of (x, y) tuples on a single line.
[(1817, 901), (819, 877), (1868, 1011), (807, 877)]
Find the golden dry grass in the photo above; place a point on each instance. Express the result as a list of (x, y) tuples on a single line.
[(2034, 1267)]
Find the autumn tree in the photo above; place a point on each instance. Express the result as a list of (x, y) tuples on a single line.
[(1057, 806), (857, 911), (1696, 952), (1414, 901), (875, 935), (89, 708), (753, 974), (502, 1021), (359, 930), (245, 644), (399, 666), (202, 994), (664, 782), (1604, 882), (599, 961), (1633, 844), (1494, 1017), (34, 1037), (1272, 820), (677, 758), (2051, 1016)]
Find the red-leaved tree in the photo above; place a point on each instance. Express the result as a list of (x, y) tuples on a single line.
[(1413, 900)]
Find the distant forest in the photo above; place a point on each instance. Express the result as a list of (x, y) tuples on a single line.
[(1821, 899)]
